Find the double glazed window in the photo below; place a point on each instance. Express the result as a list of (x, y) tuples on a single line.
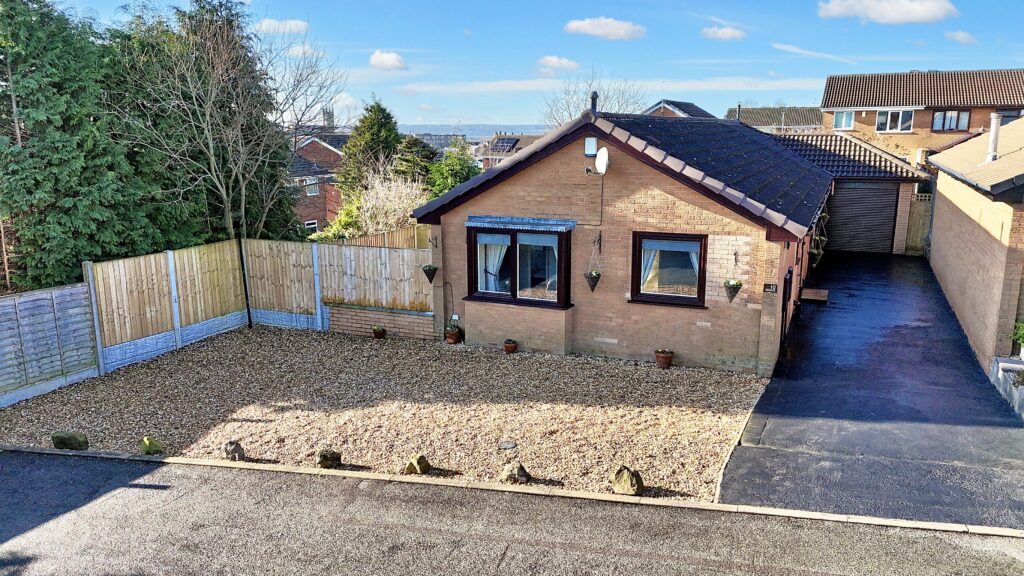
[(951, 120), (894, 121), (669, 268), (843, 120), (520, 266)]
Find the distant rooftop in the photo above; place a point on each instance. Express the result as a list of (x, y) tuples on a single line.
[(777, 116), (685, 109), (966, 161), (933, 88), (847, 157)]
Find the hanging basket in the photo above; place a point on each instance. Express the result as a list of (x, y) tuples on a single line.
[(592, 279), (429, 270), (732, 288)]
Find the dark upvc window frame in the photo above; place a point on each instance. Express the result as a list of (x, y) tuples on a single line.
[(667, 299), (945, 114), (564, 293)]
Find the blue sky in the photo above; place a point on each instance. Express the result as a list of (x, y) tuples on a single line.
[(493, 62)]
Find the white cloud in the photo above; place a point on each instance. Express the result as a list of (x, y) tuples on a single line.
[(889, 11), (387, 61), (301, 50), (344, 100), (723, 33), (607, 28), (427, 108), (557, 63), (467, 32), (810, 53), (482, 87), (961, 37), (271, 26), (733, 84), (549, 66)]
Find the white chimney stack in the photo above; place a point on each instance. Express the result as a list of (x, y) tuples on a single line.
[(993, 137)]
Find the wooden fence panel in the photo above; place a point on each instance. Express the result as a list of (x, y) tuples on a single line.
[(280, 276), (209, 281), (919, 220), (381, 277), (47, 340), (133, 297), (409, 237)]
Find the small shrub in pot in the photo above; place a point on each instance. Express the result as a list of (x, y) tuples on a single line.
[(664, 356), (379, 332), (511, 346)]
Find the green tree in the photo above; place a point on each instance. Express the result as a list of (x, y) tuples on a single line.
[(456, 167), (413, 159), (370, 149), (67, 187)]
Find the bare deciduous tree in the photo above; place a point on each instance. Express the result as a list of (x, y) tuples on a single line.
[(220, 105), (388, 199), (573, 97)]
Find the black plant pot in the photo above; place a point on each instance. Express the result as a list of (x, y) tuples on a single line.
[(732, 291), (430, 272), (592, 281)]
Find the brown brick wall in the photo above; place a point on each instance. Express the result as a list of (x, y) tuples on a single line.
[(905, 145), (975, 253), (360, 321), (535, 329), (635, 198), (322, 155), (323, 207)]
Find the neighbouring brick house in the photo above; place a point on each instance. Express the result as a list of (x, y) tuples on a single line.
[(977, 249), (502, 146), (686, 204), (776, 119), (912, 113), (312, 169)]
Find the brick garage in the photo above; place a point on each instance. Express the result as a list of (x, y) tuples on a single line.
[(401, 323), (635, 196)]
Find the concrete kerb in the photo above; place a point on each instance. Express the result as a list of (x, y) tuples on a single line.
[(538, 491)]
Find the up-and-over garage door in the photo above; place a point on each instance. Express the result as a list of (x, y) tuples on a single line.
[(862, 216)]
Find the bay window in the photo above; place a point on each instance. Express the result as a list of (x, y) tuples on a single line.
[(518, 266), (669, 268), (894, 121)]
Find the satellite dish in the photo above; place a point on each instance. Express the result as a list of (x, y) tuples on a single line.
[(601, 162)]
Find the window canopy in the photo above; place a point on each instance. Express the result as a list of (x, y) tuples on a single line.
[(518, 223)]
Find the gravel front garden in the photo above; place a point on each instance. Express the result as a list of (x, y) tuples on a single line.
[(286, 393)]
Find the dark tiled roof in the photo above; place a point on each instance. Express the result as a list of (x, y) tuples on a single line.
[(741, 157), (334, 140), (777, 115), (931, 89), (302, 167), (745, 168), (689, 108), (845, 157)]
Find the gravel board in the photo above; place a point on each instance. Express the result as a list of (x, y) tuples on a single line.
[(286, 393)]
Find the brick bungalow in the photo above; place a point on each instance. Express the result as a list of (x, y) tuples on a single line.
[(686, 204), (977, 249)]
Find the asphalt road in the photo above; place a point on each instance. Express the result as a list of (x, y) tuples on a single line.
[(879, 407), (72, 515)]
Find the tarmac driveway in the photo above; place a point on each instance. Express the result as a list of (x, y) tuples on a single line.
[(879, 407)]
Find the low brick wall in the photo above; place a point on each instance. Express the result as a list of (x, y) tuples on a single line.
[(402, 323)]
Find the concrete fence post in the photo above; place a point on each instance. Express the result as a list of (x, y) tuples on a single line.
[(317, 293), (175, 310), (90, 279)]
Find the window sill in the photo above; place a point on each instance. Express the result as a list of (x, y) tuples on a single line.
[(894, 131), (517, 302), (676, 303)]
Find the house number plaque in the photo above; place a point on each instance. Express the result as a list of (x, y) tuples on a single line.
[(773, 288)]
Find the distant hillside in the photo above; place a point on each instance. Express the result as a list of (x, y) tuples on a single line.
[(472, 131)]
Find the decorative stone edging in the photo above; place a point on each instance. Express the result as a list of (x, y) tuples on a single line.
[(541, 491)]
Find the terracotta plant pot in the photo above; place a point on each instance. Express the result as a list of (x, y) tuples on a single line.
[(592, 280), (452, 336), (511, 346), (664, 358), (379, 333)]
